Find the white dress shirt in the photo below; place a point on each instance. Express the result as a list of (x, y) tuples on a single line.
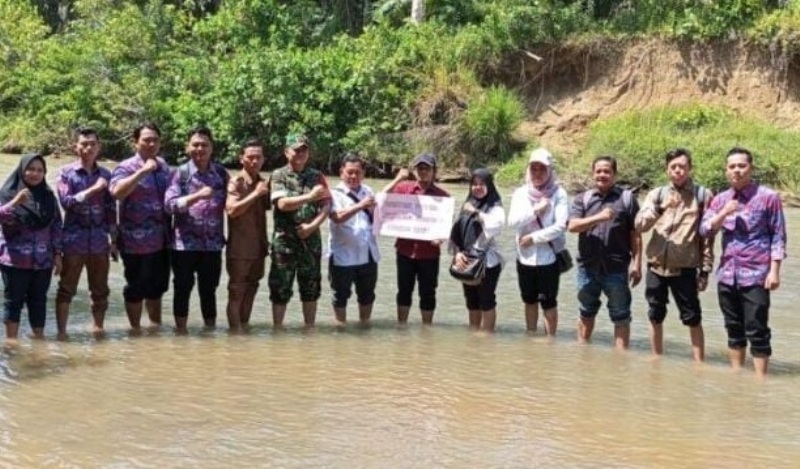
[(351, 242)]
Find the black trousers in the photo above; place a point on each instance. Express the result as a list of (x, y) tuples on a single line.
[(412, 271), (25, 287), (207, 265)]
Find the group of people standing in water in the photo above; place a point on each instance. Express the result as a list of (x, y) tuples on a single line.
[(164, 222)]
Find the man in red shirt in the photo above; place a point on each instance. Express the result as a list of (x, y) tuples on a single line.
[(417, 261)]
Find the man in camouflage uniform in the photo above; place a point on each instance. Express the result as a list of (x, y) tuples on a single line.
[(301, 203)]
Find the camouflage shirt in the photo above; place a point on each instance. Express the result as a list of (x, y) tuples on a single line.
[(288, 183)]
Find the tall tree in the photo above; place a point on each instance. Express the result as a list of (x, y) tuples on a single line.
[(417, 11), (56, 13)]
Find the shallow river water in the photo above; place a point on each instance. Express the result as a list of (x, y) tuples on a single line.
[(439, 396)]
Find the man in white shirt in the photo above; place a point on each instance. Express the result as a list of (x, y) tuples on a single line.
[(352, 246)]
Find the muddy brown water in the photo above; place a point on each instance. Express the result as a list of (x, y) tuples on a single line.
[(388, 397)]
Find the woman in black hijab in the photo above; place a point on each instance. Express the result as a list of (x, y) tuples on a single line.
[(30, 244), (474, 233)]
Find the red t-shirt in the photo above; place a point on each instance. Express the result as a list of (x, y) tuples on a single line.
[(413, 248)]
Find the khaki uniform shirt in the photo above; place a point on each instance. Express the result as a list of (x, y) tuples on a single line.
[(676, 242), (247, 233)]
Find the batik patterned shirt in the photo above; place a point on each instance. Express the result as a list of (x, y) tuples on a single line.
[(88, 221), (24, 247), (144, 223), (752, 237), (198, 227)]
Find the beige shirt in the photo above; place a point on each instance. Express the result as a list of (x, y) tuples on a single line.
[(247, 233), (676, 242)]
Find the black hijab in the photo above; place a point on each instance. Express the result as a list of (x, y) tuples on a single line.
[(467, 229), (40, 210)]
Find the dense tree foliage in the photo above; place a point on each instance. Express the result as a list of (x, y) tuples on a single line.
[(352, 73)]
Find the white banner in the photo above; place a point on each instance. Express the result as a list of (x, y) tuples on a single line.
[(422, 217)]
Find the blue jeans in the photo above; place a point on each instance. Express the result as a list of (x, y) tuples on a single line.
[(25, 287), (615, 287)]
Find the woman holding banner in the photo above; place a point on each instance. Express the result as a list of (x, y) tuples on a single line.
[(539, 213), (474, 235), (417, 260)]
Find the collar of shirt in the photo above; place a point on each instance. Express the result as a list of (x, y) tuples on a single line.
[(687, 188), (423, 190), (80, 169), (250, 180), (614, 190), (344, 188), (746, 193)]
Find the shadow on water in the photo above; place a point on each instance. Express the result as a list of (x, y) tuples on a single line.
[(42, 360)]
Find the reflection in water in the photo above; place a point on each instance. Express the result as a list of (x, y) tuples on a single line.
[(399, 397)]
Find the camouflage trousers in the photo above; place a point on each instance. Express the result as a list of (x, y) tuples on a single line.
[(292, 257)]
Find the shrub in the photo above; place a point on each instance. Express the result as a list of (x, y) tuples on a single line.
[(640, 140), (488, 124)]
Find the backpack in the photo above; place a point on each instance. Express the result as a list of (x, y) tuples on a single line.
[(185, 174), (700, 194)]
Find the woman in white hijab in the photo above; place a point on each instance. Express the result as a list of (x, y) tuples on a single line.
[(539, 213)]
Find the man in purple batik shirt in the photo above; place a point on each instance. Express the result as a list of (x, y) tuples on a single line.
[(89, 230), (196, 197), (139, 183), (751, 221)]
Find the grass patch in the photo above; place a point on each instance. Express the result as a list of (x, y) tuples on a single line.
[(639, 140)]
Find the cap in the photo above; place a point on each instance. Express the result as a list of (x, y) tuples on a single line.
[(295, 141), (541, 155), (424, 158)]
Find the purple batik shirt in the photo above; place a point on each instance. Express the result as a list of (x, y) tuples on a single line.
[(24, 247), (143, 222), (87, 221), (752, 237), (199, 227)]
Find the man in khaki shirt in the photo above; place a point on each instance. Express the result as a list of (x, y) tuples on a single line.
[(246, 205), (678, 258)]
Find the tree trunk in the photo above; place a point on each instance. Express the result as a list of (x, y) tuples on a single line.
[(417, 11)]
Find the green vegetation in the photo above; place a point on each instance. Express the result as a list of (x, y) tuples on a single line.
[(355, 74), (640, 140)]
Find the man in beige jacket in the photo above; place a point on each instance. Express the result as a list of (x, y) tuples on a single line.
[(678, 258)]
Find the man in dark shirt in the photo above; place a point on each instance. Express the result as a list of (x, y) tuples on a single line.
[(609, 251)]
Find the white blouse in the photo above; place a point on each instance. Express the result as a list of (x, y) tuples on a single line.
[(554, 226)]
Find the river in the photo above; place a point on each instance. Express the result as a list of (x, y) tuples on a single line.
[(439, 396)]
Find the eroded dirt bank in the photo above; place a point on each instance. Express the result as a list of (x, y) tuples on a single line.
[(569, 86)]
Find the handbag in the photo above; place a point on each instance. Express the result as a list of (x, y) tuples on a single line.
[(563, 260), (472, 274), (563, 257)]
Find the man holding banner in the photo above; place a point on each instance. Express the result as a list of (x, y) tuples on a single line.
[(426, 222)]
